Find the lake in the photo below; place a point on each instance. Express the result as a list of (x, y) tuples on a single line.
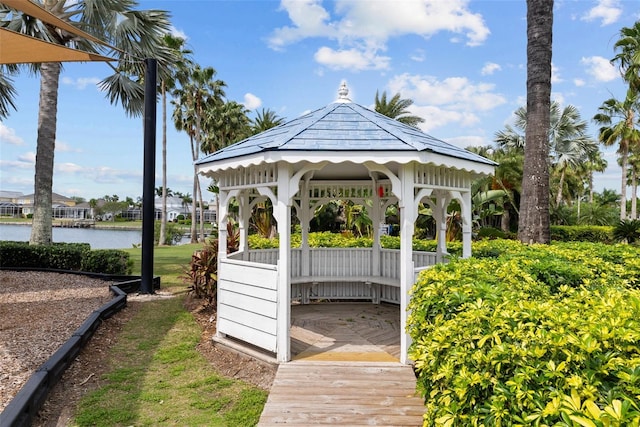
[(98, 238)]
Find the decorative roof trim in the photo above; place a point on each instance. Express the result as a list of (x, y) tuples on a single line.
[(358, 157)]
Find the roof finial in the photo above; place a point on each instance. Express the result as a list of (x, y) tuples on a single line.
[(343, 92)]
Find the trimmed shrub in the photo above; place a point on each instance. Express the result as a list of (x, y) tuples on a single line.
[(530, 335), (107, 261), (64, 256), (60, 256), (582, 233)]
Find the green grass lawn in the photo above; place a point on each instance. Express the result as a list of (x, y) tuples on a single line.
[(156, 375)]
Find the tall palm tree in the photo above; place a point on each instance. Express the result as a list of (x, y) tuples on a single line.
[(265, 119), (135, 34), (199, 92), (596, 163), (227, 124), (168, 83), (534, 224), (617, 120), (628, 56), (397, 108), (569, 144), (633, 175)]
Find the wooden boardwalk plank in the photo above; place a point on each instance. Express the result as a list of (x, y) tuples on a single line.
[(343, 394)]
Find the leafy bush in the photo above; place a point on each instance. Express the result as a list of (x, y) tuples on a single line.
[(627, 230), (64, 256), (493, 233), (582, 233), (60, 256), (173, 233), (107, 261), (530, 335), (327, 239), (202, 273)]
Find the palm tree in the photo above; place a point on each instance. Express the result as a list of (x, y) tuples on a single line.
[(134, 34), (397, 109), (7, 91), (596, 163), (617, 127), (199, 92), (168, 83), (265, 119), (633, 174), (227, 123), (569, 145), (628, 56), (534, 224)]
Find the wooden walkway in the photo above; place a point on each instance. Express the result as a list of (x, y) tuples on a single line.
[(345, 370)]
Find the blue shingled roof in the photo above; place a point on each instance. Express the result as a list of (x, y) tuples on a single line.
[(342, 126)]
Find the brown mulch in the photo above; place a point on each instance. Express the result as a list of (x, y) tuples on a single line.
[(40, 311)]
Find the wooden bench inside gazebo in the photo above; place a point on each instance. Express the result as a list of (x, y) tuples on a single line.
[(340, 152)]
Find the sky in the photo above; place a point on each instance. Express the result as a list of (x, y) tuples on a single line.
[(463, 63)]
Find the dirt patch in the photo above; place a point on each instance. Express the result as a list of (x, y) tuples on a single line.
[(86, 373)]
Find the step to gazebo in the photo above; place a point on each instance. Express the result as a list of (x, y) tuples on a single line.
[(343, 394)]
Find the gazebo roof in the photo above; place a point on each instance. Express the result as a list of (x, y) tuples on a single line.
[(341, 127)]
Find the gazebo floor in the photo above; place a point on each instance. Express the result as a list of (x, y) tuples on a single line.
[(361, 332), (345, 370)]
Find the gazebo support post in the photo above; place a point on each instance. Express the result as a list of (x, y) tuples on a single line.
[(408, 214), (283, 218), (243, 225), (467, 218), (376, 219), (304, 216), (223, 198), (440, 213)]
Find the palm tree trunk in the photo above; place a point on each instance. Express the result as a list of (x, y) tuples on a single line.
[(534, 226), (623, 187), (163, 218), (41, 233), (559, 195), (634, 193)]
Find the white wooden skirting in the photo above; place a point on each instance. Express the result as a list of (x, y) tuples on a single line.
[(247, 303)]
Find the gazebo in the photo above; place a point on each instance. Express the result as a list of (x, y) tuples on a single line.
[(343, 151)]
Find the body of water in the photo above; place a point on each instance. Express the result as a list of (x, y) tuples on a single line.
[(98, 238)]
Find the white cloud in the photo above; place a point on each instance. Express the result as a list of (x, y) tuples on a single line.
[(81, 82), (490, 68), (9, 136), (64, 147), (441, 102), (251, 101), (579, 82), (599, 68), (365, 27), (606, 10), (178, 33), (418, 55), (69, 168), (351, 59), (28, 157)]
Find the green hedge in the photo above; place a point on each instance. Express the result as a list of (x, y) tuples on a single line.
[(327, 239), (64, 256), (582, 233), (530, 335)]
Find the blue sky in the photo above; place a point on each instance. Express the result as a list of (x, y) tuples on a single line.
[(462, 62)]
